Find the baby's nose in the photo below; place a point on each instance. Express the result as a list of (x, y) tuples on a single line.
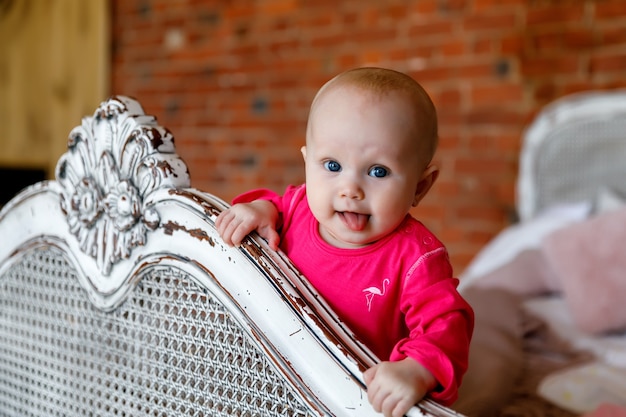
[(351, 190)]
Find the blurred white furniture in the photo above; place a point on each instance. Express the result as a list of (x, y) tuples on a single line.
[(118, 297), (553, 264), (573, 148), (572, 163)]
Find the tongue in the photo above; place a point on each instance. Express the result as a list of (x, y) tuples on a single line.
[(355, 221)]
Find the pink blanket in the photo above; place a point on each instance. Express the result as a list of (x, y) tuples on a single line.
[(608, 410), (588, 260)]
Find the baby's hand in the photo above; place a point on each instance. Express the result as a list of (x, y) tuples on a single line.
[(394, 387), (235, 223)]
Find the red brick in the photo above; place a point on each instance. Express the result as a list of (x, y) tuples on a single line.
[(370, 35), (347, 60), (315, 20), (431, 29), (397, 12), (274, 7), (495, 115), (610, 9), (581, 38), (480, 166), (551, 65), (284, 50), (428, 211), (613, 36), (486, 5), (453, 6), (447, 188), (494, 93), (556, 13), (426, 7), (453, 48), (512, 44), (608, 63), (448, 142), (546, 42), (326, 40), (432, 73), (483, 46), (449, 117), (490, 22), (236, 11), (481, 212), (398, 54), (475, 70), (447, 97), (578, 86), (545, 92)]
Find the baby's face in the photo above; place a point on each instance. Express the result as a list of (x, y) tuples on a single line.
[(363, 165)]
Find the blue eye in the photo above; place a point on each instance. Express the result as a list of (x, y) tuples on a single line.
[(378, 172), (332, 166)]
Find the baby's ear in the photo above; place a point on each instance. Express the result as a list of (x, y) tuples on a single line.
[(303, 150), (429, 176)]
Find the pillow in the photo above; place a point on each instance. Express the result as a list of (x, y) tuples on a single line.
[(607, 199), (589, 260), (526, 274), (513, 260)]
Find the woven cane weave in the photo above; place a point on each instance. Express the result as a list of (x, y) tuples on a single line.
[(576, 158), (170, 349), (573, 152)]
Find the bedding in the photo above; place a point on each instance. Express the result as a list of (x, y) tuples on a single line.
[(607, 410), (588, 262), (550, 335), (598, 377), (548, 290)]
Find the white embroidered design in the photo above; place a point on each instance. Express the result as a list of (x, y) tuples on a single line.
[(372, 291)]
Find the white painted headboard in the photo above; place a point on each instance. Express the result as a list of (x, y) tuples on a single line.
[(118, 298)]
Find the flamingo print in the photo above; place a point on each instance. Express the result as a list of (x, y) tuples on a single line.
[(372, 291)]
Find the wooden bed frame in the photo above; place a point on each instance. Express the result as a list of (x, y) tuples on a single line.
[(120, 299)]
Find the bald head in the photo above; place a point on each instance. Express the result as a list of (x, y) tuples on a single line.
[(383, 82)]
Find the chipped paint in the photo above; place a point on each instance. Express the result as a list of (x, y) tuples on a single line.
[(209, 209), (275, 305), (170, 227), (305, 308)]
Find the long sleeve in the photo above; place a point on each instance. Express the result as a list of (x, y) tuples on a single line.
[(440, 322)]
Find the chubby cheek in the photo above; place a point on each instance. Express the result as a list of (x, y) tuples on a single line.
[(382, 217), (315, 182), (319, 202), (390, 210)]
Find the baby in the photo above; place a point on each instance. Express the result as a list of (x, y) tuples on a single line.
[(370, 139)]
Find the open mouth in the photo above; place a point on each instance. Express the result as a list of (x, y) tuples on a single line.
[(354, 221)]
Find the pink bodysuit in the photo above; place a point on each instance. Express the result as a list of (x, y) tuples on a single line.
[(397, 294)]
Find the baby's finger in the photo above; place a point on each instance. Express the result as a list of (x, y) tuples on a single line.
[(368, 375), (229, 229), (388, 406), (239, 233), (272, 237), (401, 408), (376, 397), (222, 220)]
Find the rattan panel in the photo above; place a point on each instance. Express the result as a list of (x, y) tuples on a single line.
[(575, 159), (171, 349)]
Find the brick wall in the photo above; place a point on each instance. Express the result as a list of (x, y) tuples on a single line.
[(233, 80)]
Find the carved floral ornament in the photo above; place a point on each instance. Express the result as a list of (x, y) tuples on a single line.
[(115, 159)]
